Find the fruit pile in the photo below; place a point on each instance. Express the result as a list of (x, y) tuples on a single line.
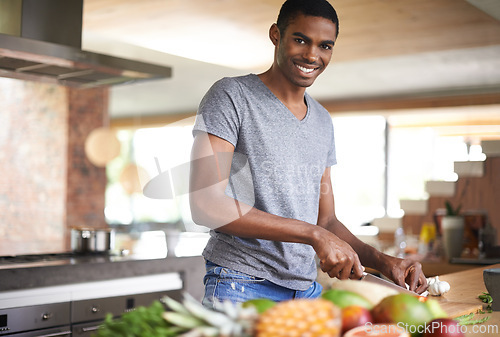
[(339, 312), (395, 315)]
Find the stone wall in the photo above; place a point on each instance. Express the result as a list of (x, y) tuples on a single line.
[(43, 168), (86, 183)]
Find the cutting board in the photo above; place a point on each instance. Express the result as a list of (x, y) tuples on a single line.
[(455, 309), (462, 298)]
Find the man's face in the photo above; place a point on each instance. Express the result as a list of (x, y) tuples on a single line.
[(305, 49)]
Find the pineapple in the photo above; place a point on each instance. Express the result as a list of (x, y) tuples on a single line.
[(301, 318)]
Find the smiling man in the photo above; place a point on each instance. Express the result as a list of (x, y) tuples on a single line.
[(260, 175)]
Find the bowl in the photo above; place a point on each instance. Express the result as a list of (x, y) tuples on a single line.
[(491, 279)]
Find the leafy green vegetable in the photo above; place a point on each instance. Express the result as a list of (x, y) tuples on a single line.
[(468, 319), (464, 318), (142, 322), (475, 321), (486, 298)]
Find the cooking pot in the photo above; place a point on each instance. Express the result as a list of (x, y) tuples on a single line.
[(86, 240)]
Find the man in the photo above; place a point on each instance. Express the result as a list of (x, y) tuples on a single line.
[(260, 175)]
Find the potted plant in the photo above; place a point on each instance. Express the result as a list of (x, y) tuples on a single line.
[(452, 227), (450, 211)]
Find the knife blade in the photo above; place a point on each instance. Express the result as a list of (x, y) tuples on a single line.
[(374, 279)]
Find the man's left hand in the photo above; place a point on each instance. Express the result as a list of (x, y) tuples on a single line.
[(408, 272)]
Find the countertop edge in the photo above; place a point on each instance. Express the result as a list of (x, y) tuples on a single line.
[(191, 269)]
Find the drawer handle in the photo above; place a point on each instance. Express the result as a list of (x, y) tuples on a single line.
[(90, 328), (95, 309)]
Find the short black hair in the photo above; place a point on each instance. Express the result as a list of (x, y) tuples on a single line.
[(291, 8)]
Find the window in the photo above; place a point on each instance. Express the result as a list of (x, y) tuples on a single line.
[(358, 179), (156, 151), (417, 155), (425, 143)]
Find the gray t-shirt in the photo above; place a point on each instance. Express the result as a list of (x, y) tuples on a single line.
[(277, 168)]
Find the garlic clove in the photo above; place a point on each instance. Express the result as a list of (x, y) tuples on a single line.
[(437, 287)]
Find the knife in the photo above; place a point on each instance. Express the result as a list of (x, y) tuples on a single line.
[(374, 279)]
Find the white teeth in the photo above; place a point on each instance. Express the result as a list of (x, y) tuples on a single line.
[(306, 70)]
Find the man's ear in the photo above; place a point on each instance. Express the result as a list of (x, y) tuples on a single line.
[(274, 34)]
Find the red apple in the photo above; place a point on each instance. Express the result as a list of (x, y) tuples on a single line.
[(443, 327), (354, 316)]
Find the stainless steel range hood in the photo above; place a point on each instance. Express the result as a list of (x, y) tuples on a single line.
[(40, 40)]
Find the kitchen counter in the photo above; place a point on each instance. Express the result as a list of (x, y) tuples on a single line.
[(462, 299), (149, 257), (101, 268)]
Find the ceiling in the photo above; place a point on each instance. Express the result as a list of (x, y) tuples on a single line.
[(396, 48)]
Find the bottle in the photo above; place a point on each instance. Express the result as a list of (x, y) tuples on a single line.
[(400, 242), (427, 238)]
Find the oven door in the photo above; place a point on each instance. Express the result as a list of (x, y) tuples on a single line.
[(63, 331)]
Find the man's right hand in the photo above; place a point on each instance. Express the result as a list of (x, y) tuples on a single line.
[(337, 258)]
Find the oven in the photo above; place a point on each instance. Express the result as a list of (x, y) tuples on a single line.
[(38, 320)]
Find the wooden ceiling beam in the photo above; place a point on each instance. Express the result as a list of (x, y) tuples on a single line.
[(153, 121), (401, 103), (333, 106)]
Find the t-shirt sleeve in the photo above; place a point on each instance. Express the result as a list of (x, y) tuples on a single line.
[(332, 153), (217, 113)]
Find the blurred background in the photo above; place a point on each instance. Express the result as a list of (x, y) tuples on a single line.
[(413, 88)]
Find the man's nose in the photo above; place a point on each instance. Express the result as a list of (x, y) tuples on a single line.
[(311, 54)]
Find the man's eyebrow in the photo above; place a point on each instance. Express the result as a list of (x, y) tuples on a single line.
[(308, 39), (302, 36)]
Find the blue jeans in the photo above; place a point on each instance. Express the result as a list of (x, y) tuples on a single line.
[(227, 284)]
